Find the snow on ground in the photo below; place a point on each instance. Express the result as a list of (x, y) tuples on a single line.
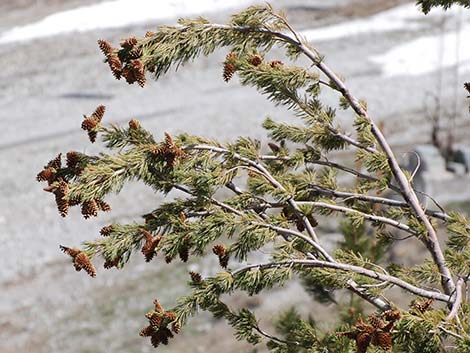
[(416, 57), (113, 14), (420, 56), (396, 18)]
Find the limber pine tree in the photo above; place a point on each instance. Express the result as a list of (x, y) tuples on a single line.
[(272, 202)]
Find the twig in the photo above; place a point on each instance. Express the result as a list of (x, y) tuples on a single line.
[(356, 269), (458, 299), (368, 216)]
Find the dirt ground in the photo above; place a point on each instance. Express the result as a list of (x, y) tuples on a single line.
[(45, 87)]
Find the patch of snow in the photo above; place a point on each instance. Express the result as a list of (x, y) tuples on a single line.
[(114, 14), (400, 17), (420, 56)]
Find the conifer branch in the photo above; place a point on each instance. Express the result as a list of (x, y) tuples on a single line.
[(432, 241), (283, 193), (457, 300), (356, 269), (368, 216)]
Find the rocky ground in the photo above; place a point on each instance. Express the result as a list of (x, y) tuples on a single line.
[(45, 87)]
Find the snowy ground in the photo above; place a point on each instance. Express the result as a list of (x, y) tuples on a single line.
[(52, 73)]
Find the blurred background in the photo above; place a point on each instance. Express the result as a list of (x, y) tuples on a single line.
[(409, 67)]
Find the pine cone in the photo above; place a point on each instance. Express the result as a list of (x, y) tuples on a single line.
[(150, 245), (92, 136), (275, 63), (81, 261), (89, 123), (134, 124), (170, 316), (183, 253), (376, 322), (105, 47), (158, 307), (255, 60), (62, 204), (56, 163), (48, 174), (155, 340), (139, 71), (155, 319), (111, 263), (69, 251), (129, 43), (89, 209), (99, 112), (72, 159), (384, 340), (106, 230), (423, 306), (147, 331), (195, 277), (229, 70), (74, 201), (115, 65), (362, 341), (391, 315), (221, 251), (103, 206)]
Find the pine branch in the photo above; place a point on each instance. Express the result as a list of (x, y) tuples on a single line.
[(356, 269)]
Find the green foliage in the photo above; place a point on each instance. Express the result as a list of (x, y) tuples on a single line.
[(416, 334), (280, 203), (426, 5)]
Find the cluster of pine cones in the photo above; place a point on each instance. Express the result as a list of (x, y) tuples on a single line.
[(58, 178), (159, 322), (378, 331), (126, 61)]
